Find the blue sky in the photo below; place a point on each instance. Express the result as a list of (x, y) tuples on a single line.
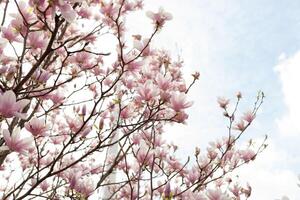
[(237, 45)]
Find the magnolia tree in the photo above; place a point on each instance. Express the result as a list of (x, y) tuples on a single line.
[(79, 120)]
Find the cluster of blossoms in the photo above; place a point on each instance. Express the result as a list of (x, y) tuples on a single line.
[(79, 122)]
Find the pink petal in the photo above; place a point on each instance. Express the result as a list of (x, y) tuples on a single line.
[(68, 13)]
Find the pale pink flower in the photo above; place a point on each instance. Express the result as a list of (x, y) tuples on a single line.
[(41, 75), (147, 91), (57, 97), (163, 82), (160, 17), (141, 45), (10, 34), (223, 103), (192, 175), (10, 107), (178, 102), (85, 187), (15, 143), (36, 126), (26, 11), (240, 126), (144, 157), (134, 66), (74, 123), (73, 177), (189, 195), (85, 131), (247, 155), (249, 116), (108, 9), (83, 59), (181, 117), (126, 112), (85, 13), (36, 40), (216, 195), (67, 11)]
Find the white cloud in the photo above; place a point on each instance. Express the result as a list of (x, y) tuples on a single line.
[(289, 71)]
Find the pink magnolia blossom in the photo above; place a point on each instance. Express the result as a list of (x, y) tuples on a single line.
[(240, 126), (247, 155), (160, 17), (36, 126), (10, 34), (223, 103), (108, 108), (41, 75), (249, 116), (192, 176), (67, 11), (164, 82), (147, 91), (36, 40), (27, 13), (178, 102), (15, 143), (126, 112), (10, 107), (216, 194), (108, 9), (85, 187)]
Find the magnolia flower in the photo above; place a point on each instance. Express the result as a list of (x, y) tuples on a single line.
[(249, 116), (36, 126), (36, 40), (163, 82), (67, 11), (160, 17), (9, 107), (178, 102), (108, 9), (247, 155), (85, 187), (147, 91), (240, 126), (15, 143), (223, 103), (83, 59), (126, 112), (216, 195), (192, 175), (10, 34)]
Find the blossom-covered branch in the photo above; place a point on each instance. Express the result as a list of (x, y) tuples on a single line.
[(78, 119)]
